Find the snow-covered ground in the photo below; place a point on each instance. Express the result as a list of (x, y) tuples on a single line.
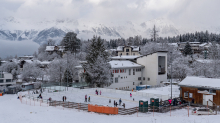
[(78, 95), (13, 111)]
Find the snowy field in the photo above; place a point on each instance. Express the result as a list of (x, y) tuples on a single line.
[(78, 95), (13, 111)]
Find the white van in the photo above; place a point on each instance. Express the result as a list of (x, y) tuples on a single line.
[(202, 111)]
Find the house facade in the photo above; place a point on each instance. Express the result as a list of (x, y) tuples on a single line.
[(6, 79), (128, 51), (203, 90), (131, 71)]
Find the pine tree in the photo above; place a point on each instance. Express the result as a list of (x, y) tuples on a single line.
[(154, 34), (67, 77), (71, 42), (97, 69), (187, 50)]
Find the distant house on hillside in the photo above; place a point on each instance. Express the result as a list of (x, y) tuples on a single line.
[(194, 46), (128, 50), (57, 49), (25, 57)]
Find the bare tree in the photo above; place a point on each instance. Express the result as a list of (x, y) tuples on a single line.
[(154, 34)]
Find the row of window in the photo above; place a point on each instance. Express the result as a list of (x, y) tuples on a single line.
[(7, 80), (116, 79), (124, 71), (128, 54)]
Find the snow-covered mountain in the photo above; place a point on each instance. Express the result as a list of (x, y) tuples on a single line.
[(40, 31)]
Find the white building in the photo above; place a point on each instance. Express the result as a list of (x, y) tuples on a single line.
[(128, 50), (131, 71), (6, 79)]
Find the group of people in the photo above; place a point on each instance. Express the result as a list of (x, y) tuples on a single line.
[(116, 103), (86, 98), (97, 92)]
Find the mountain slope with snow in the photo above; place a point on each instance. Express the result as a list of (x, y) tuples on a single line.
[(39, 31)]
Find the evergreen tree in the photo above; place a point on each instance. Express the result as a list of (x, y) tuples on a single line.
[(187, 50), (71, 42), (97, 68), (67, 77)]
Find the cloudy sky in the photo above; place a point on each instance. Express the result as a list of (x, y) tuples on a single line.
[(181, 12)]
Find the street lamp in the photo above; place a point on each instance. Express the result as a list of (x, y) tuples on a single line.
[(171, 74)]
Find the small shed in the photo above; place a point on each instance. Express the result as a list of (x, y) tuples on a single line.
[(27, 86)]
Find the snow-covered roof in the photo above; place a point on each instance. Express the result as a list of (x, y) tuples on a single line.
[(173, 44), (32, 61), (45, 62), (121, 64), (135, 48), (124, 64), (204, 60), (27, 83), (200, 82), (125, 57), (51, 48), (26, 56)]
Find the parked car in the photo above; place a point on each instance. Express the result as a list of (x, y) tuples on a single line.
[(202, 111)]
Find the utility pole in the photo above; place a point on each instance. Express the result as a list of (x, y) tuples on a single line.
[(67, 72), (171, 74)]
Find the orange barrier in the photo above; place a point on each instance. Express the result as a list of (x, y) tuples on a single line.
[(0, 94), (102, 109)]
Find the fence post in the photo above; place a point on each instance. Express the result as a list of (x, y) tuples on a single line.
[(153, 111), (188, 110), (63, 105), (137, 111), (78, 106), (68, 104), (170, 110), (55, 103)]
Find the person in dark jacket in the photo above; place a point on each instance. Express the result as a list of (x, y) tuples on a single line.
[(120, 101), (89, 99), (63, 98), (114, 103)]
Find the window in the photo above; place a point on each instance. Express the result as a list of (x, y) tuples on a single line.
[(133, 83), (111, 80), (116, 80), (8, 80), (116, 71), (133, 54), (127, 50), (185, 94), (1, 75), (121, 77), (139, 78), (138, 69), (133, 71), (1, 80), (129, 71), (127, 54), (148, 79), (143, 78)]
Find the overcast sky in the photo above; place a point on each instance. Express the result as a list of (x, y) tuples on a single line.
[(181, 12)]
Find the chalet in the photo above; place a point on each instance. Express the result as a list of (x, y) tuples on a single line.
[(25, 57), (194, 45), (128, 50), (202, 90), (57, 49)]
